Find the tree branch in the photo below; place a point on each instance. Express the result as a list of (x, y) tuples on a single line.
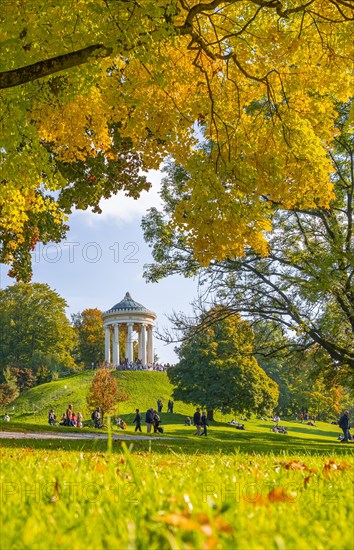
[(16, 77)]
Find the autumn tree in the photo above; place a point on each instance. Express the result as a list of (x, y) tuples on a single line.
[(84, 85), (217, 370), (104, 393), (25, 378), (305, 284), (33, 322)]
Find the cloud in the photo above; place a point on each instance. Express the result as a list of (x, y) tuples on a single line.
[(122, 209)]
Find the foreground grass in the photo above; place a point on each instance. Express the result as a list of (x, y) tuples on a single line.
[(77, 495)]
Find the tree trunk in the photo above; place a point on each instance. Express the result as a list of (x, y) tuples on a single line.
[(210, 414)]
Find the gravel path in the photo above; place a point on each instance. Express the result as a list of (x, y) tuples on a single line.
[(84, 436)]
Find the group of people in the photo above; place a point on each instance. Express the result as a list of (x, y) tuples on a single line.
[(170, 405), (277, 428), (69, 418), (200, 421), (135, 365), (152, 420), (305, 417), (237, 425)]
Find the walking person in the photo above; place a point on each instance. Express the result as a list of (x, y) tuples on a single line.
[(149, 419), (197, 421), (204, 423), (344, 424), (137, 420)]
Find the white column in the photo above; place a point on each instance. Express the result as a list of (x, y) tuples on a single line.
[(116, 344), (130, 342), (139, 343), (150, 347), (143, 345), (107, 345), (126, 345)]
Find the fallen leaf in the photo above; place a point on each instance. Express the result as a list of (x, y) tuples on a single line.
[(179, 520), (343, 465), (306, 480), (280, 494), (223, 526), (293, 465), (211, 543)]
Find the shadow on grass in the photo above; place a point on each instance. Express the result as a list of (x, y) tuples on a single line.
[(187, 446), (313, 431)]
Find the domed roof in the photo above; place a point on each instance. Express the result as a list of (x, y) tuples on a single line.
[(128, 304)]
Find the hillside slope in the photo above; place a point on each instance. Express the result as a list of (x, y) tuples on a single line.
[(143, 387)]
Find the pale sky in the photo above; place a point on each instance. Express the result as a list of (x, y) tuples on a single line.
[(102, 258)]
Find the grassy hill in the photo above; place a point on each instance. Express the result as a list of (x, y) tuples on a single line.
[(143, 387)]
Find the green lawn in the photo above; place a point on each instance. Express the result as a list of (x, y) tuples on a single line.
[(143, 387), (250, 489)]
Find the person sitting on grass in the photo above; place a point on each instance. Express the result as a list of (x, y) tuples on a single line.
[(51, 417), (279, 429), (237, 425), (118, 421), (6, 418), (187, 421), (74, 420), (96, 417), (63, 420), (79, 420)]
